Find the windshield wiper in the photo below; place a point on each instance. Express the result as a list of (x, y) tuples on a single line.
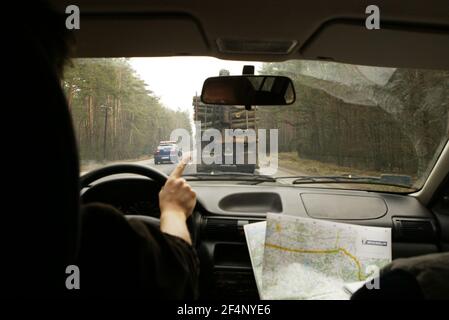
[(237, 176), (345, 179)]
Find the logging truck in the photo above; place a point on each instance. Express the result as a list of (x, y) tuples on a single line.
[(222, 118)]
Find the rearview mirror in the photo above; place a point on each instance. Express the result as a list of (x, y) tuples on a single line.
[(248, 90)]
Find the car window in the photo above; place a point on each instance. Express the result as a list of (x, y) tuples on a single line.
[(358, 127)]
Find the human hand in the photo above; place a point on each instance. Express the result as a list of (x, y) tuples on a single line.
[(176, 201), (177, 197)]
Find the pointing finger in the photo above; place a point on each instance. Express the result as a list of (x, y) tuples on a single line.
[(177, 173)]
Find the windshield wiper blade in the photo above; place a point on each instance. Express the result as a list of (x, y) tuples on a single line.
[(230, 175), (344, 179)]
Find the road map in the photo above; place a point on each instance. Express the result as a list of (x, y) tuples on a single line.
[(255, 239), (301, 258)]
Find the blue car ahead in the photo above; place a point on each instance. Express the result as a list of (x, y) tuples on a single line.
[(167, 152)]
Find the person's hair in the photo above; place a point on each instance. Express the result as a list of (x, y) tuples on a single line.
[(48, 27)]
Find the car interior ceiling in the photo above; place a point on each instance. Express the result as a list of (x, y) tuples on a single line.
[(318, 30), (323, 29)]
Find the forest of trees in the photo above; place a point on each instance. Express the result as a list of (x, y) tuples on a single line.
[(383, 119), (108, 91)]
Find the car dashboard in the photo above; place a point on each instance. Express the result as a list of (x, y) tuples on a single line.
[(224, 208)]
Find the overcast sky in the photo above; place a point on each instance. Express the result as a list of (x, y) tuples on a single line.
[(176, 79)]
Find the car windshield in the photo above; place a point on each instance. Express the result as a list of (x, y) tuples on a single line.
[(351, 126)]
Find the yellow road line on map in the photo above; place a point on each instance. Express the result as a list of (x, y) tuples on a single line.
[(325, 251)]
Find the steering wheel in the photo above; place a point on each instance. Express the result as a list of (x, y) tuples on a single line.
[(158, 177), (145, 171)]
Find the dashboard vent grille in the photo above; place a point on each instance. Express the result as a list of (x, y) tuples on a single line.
[(221, 228), (225, 229), (414, 229)]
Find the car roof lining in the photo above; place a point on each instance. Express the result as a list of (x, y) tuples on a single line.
[(194, 28)]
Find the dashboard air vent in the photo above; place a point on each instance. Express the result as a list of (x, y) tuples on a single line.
[(221, 228), (414, 230), (225, 229)]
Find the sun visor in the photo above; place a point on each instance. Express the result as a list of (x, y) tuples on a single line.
[(390, 46), (131, 36)]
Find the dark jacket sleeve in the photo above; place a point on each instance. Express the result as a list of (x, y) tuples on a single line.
[(121, 258), (420, 277)]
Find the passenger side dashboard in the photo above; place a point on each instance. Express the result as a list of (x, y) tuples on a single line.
[(226, 270)]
